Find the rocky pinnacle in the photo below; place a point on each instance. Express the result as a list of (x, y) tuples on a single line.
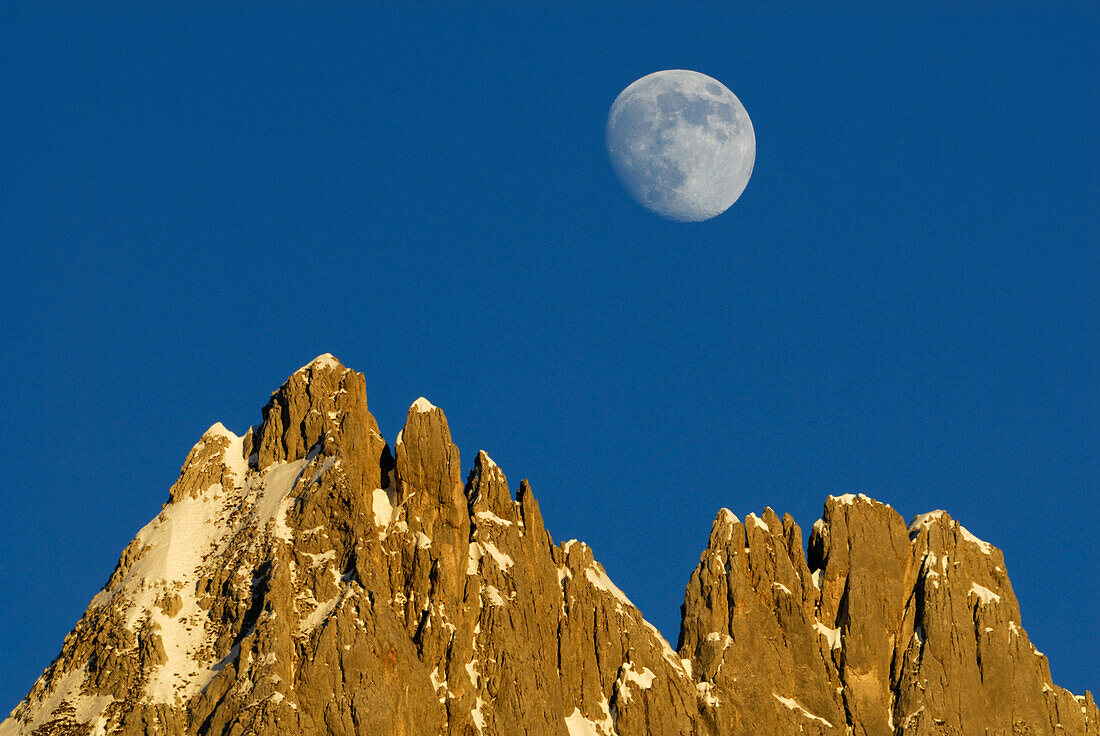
[(310, 578)]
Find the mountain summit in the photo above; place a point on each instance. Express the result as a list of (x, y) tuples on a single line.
[(309, 578)]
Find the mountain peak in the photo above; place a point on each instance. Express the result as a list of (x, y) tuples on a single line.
[(422, 405), (322, 403), (217, 429), (304, 578), (324, 361)]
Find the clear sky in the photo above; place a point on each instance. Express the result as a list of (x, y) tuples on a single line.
[(903, 302)]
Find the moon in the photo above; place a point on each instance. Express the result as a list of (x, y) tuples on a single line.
[(682, 144)]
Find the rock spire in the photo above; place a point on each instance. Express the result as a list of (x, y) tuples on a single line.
[(309, 578)]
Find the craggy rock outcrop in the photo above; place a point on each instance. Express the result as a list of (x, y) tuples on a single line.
[(307, 578), (884, 629)]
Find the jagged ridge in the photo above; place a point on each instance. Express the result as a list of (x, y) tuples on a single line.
[(307, 578)]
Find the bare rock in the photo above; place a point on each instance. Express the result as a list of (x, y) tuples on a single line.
[(303, 578)]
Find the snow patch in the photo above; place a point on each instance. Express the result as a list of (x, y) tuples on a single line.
[(495, 598), (471, 672), (477, 550), (848, 499), (282, 531), (705, 691), (577, 725), (504, 562), (596, 575), (422, 405), (324, 360), (174, 547), (217, 429), (724, 638), (727, 518), (317, 558), (922, 520), (757, 521), (275, 486), (831, 635), (642, 680), (793, 705), (984, 546), (477, 716), (985, 594), (382, 508), (909, 718), (321, 612), (87, 709), (492, 518), (684, 665)]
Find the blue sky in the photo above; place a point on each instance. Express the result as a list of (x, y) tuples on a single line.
[(903, 302)]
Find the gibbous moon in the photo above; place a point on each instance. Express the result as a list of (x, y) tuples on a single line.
[(682, 144)]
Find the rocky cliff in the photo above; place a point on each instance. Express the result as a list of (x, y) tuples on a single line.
[(308, 578)]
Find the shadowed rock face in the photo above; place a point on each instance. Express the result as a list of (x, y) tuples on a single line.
[(307, 578)]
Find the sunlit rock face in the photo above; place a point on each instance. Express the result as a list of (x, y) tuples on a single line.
[(309, 578), (884, 629)]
